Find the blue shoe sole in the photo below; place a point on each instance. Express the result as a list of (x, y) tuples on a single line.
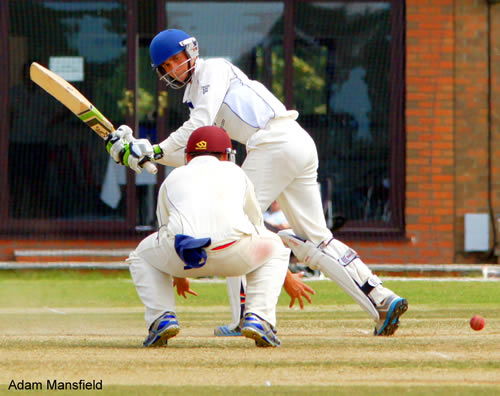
[(225, 332), (391, 324), (162, 337), (260, 340)]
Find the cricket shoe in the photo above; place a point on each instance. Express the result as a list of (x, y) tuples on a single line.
[(389, 311), (260, 331), (227, 331), (163, 328)]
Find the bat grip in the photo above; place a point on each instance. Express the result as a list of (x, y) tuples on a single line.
[(148, 165)]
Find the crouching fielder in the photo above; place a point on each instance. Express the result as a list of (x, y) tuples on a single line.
[(209, 224)]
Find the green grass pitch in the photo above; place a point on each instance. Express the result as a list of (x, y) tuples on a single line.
[(67, 326)]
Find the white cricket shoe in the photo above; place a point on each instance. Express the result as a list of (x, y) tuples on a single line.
[(389, 311)]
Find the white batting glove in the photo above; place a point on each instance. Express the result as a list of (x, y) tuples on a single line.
[(125, 132), (115, 146), (140, 151), (126, 150), (116, 143)]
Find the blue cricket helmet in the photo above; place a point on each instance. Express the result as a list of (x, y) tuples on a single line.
[(168, 43)]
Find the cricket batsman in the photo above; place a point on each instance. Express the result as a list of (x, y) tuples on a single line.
[(281, 162)]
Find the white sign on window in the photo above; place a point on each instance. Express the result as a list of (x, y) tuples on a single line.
[(68, 67)]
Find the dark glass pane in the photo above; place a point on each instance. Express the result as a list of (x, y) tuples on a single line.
[(57, 165), (341, 88)]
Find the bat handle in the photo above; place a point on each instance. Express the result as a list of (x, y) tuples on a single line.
[(148, 165)]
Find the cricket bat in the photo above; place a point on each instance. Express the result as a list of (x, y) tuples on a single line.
[(73, 99)]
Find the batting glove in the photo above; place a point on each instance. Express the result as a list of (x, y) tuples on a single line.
[(138, 152), (128, 151), (116, 147)]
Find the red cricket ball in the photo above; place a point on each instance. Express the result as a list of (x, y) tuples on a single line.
[(477, 322)]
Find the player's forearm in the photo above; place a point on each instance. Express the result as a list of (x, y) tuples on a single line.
[(172, 158), (172, 148)]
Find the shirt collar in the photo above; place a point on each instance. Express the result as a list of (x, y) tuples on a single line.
[(187, 91), (203, 159)]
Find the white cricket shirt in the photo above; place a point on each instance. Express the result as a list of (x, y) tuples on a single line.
[(208, 198), (221, 94)]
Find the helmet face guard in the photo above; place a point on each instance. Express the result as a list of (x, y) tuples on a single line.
[(167, 44), (231, 155), (173, 80)]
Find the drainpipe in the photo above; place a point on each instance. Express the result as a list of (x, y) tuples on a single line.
[(493, 219)]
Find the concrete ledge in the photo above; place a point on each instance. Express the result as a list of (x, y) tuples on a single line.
[(485, 270), (10, 265), (435, 267), (72, 252)]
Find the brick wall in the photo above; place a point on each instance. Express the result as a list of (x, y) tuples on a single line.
[(447, 130), (471, 116)]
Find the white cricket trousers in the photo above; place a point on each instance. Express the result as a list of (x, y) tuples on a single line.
[(261, 257), (282, 163)]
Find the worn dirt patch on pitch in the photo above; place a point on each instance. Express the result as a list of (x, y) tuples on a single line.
[(333, 348)]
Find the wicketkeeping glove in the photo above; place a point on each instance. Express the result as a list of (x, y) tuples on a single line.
[(128, 151)]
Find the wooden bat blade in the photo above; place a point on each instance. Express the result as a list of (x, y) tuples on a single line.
[(74, 100), (70, 97)]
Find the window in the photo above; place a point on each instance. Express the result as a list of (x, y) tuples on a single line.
[(347, 87), (340, 63), (57, 165), (343, 73)]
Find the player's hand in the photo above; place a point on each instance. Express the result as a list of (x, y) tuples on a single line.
[(141, 151), (182, 285), (116, 147), (297, 289), (128, 151)]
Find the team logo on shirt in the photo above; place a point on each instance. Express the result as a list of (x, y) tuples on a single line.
[(204, 88), (201, 145)]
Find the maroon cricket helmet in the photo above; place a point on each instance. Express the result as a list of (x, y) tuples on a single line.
[(208, 139)]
